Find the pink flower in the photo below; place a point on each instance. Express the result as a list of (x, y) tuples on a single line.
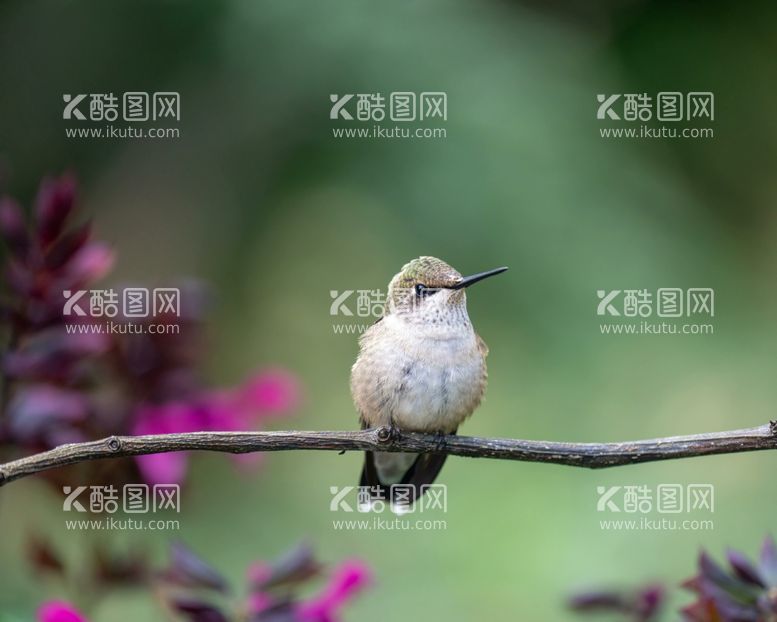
[(271, 392), (59, 611), (168, 468), (347, 580), (227, 410), (90, 263)]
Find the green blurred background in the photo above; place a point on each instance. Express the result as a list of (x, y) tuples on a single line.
[(257, 198)]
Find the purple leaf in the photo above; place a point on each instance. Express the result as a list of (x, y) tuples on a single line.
[(279, 612), (744, 569), (35, 409), (53, 205), (712, 573), (604, 600), (19, 278), (768, 565), (67, 246), (13, 228), (43, 557), (296, 566), (199, 611), (189, 570)]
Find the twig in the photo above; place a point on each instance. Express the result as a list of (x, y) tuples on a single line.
[(589, 455)]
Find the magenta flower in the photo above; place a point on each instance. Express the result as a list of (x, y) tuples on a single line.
[(262, 396), (59, 611), (350, 578), (274, 392)]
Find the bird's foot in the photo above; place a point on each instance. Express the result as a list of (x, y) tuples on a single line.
[(440, 440)]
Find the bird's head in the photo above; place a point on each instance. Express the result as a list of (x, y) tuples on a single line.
[(428, 289)]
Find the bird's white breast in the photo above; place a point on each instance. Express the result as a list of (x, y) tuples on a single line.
[(419, 377)]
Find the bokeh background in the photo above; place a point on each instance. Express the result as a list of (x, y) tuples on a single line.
[(257, 199)]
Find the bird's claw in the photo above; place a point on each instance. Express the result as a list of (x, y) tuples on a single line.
[(440, 441)]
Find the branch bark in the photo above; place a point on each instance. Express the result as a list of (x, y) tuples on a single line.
[(589, 455)]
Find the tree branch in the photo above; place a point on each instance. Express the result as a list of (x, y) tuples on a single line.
[(589, 455)]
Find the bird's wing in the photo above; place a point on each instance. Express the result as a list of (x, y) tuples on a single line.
[(482, 346)]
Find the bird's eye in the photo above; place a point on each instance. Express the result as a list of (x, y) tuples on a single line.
[(422, 291)]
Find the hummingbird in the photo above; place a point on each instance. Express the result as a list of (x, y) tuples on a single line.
[(421, 368)]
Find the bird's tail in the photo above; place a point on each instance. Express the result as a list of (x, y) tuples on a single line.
[(399, 478)]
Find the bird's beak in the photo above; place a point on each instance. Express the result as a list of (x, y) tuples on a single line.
[(470, 280)]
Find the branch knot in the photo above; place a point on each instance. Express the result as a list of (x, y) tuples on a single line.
[(114, 443), (385, 434)]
